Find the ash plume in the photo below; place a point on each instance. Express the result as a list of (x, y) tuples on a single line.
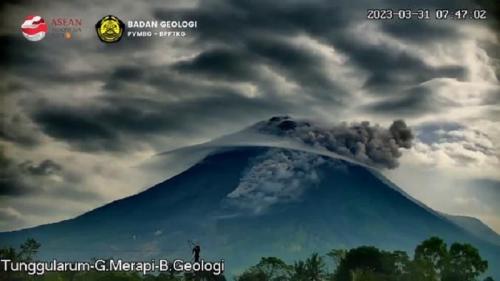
[(363, 142)]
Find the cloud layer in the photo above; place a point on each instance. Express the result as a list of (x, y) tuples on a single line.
[(96, 111)]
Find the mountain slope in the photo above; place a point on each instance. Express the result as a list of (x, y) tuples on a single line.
[(247, 202), (476, 227)]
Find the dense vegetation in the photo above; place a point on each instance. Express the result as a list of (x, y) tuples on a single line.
[(433, 260)]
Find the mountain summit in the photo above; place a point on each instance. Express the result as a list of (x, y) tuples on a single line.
[(248, 201)]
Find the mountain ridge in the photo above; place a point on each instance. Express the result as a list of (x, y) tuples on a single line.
[(344, 205)]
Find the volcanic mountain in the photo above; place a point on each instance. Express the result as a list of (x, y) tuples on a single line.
[(245, 201)]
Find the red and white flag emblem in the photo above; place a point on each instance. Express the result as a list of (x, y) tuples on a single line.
[(34, 28)]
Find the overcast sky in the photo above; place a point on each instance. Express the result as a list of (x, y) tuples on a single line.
[(78, 115)]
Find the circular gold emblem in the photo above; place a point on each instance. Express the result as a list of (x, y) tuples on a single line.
[(110, 29)]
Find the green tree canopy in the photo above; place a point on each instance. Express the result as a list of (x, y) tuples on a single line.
[(430, 258), (464, 263), (268, 269), (365, 259)]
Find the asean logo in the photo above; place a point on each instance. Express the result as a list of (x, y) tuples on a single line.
[(110, 29), (34, 28)]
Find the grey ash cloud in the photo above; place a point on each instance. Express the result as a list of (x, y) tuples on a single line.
[(277, 176), (372, 145)]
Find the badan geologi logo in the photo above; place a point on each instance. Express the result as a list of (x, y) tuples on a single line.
[(34, 28), (110, 29)]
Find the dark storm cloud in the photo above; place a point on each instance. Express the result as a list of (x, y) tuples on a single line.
[(31, 178), (71, 123), (121, 75), (5, 6), (226, 64), (12, 181), (77, 125), (256, 25), (40, 62), (299, 65), (293, 62), (8, 180), (493, 8), (246, 61), (118, 120), (127, 73), (418, 31), (166, 82), (388, 70), (412, 102), (44, 168), (16, 55), (6, 3), (235, 42), (14, 129), (45, 61), (256, 37), (232, 22)]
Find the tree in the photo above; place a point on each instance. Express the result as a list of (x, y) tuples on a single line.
[(315, 267), (27, 252), (430, 258), (398, 262), (433, 261), (365, 275), (9, 254), (363, 258), (171, 275), (337, 255), (208, 276), (29, 249), (268, 269), (274, 268), (464, 263), (299, 271)]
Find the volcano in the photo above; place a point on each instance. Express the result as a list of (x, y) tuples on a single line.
[(243, 202)]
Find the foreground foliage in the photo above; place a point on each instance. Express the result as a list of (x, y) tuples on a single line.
[(433, 261)]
